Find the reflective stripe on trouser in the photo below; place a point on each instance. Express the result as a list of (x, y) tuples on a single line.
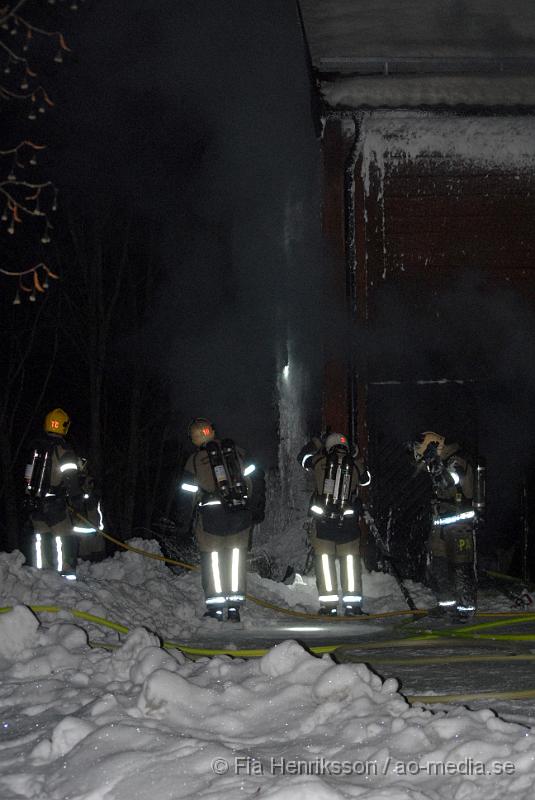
[(351, 578), (326, 579), (46, 551), (223, 574)]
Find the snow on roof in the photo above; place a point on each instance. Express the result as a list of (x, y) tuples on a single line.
[(423, 52), (345, 29)]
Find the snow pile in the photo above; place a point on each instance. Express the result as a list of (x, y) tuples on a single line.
[(17, 631), (142, 723), (134, 590), (127, 588)]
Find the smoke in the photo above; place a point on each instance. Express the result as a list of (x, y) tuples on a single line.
[(197, 117), (462, 364)]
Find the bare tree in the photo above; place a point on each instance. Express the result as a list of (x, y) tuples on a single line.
[(28, 47), (20, 381), (108, 290)]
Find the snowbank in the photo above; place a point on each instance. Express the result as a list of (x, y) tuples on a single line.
[(135, 590), (138, 722), (141, 723)]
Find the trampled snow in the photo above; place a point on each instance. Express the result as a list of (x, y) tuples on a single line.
[(136, 721)]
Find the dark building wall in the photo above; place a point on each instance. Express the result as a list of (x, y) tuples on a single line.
[(443, 335)]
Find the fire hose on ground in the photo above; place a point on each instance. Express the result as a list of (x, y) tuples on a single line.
[(320, 650)]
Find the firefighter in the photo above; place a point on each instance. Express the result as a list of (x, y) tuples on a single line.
[(54, 482), (451, 544), (335, 509), (216, 476)]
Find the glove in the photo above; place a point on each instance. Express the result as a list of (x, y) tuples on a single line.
[(430, 453)]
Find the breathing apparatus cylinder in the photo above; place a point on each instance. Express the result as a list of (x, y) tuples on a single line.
[(345, 489), (218, 467), (227, 472), (235, 473), (337, 482), (480, 485), (35, 472), (329, 481)]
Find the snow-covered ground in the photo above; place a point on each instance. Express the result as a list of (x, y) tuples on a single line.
[(137, 722)]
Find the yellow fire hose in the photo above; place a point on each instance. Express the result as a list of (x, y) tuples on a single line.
[(197, 651), (515, 619), (420, 640), (320, 650), (521, 694), (433, 660)]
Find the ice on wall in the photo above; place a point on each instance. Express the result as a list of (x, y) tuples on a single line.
[(490, 142), (282, 534)]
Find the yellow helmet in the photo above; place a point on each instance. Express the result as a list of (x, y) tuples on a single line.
[(425, 439), (57, 421), (201, 431)]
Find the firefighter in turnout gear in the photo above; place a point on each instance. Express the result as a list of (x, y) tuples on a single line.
[(457, 499), (54, 485), (335, 509), (216, 476)]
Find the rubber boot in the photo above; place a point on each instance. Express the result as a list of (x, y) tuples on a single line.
[(215, 613), (233, 614), (353, 610), (328, 611)]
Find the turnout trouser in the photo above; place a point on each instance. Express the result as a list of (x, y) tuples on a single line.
[(49, 539), (348, 554), (453, 576), (50, 551), (223, 568)]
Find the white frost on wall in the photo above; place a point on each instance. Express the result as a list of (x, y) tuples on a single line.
[(489, 142)]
